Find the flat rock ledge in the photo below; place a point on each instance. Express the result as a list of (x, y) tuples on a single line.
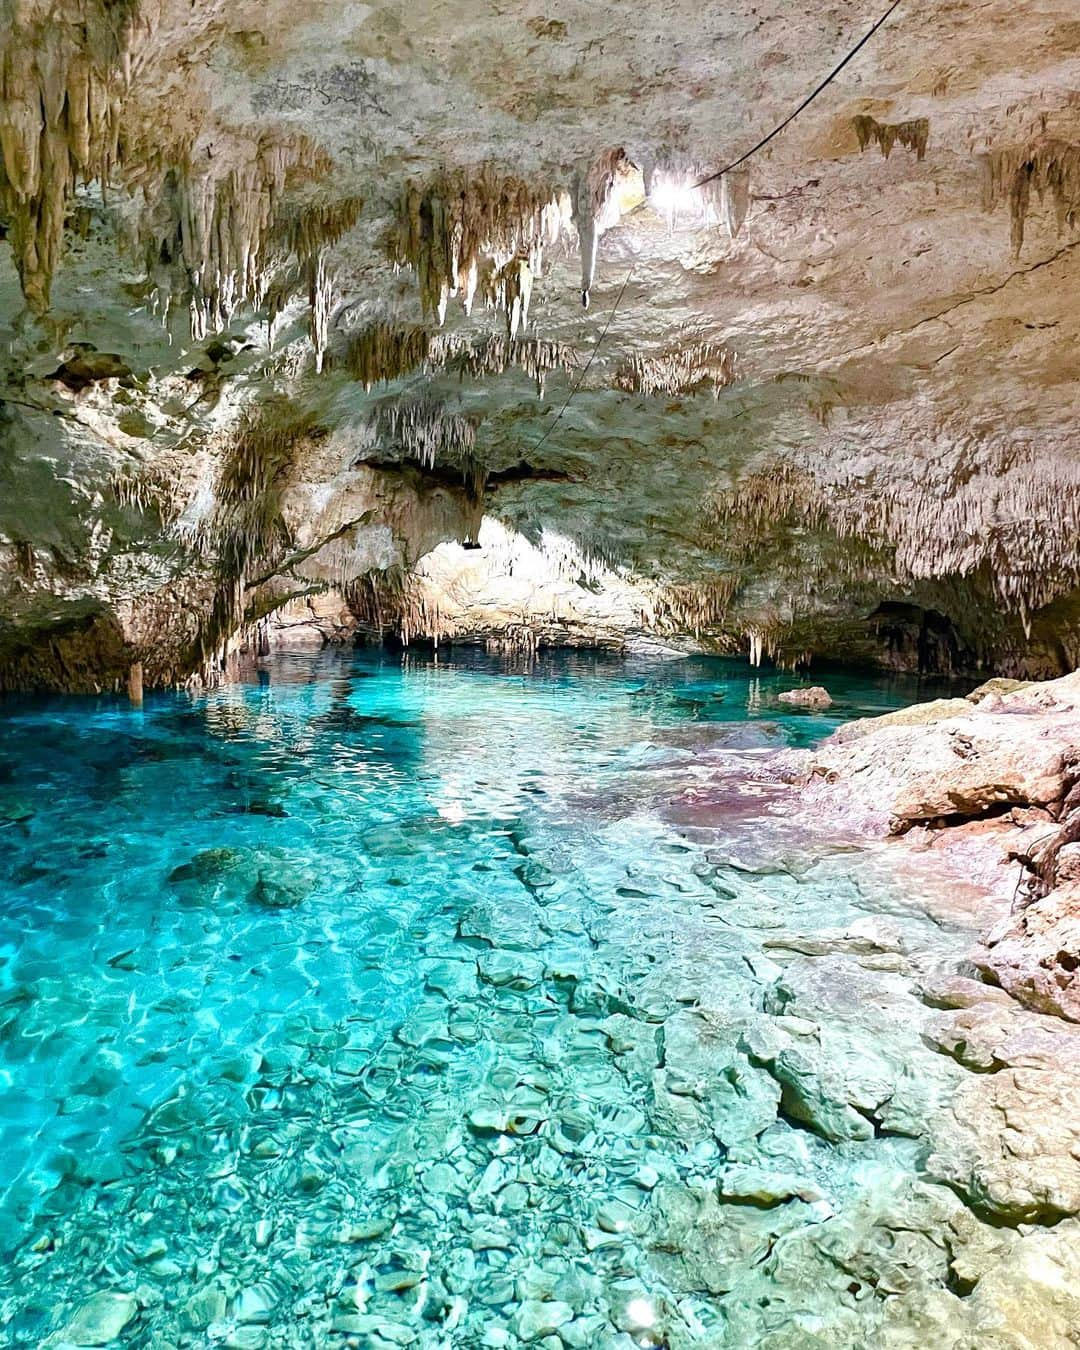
[(991, 784)]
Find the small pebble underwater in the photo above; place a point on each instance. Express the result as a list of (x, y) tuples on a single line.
[(389, 1000)]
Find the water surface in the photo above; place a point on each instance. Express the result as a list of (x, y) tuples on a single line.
[(387, 1001)]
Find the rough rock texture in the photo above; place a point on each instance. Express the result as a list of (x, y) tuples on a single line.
[(984, 792), (827, 405), (941, 763)]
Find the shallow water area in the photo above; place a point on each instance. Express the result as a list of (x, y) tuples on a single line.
[(385, 1001)]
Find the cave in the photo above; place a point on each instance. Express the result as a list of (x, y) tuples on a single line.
[(539, 693)]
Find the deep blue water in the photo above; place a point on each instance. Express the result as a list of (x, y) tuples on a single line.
[(330, 1006)]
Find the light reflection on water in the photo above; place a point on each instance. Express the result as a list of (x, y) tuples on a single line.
[(337, 950)]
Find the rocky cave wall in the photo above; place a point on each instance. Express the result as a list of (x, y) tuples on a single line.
[(294, 344)]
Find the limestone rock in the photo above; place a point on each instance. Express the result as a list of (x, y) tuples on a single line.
[(1009, 1139), (1035, 954), (99, 1321), (997, 686), (814, 696)]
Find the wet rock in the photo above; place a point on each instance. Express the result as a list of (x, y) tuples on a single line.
[(514, 970), (817, 1094), (83, 366), (205, 1306), (812, 696), (698, 1242), (706, 1075), (256, 1303), (373, 1329), (505, 923), (868, 936), (949, 759), (538, 1318), (273, 878), (961, 991), (100, 1320), (1010, 1142), (918, 715), (758, 1186)]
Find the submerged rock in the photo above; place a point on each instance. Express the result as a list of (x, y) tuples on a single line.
[(100, 1320), (274, 878)]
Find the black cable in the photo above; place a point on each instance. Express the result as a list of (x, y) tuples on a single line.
[(712, 177), (592, 357)]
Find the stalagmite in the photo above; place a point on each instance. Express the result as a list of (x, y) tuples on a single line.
[(135, 683)]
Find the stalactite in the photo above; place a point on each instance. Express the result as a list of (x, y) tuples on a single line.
[(723, 201), (514, 294), (926, 530), (459, 231), (424, 431), (495, 354), (392, 601), (913, 135), (244, 528), (148, 488), (305, 228), (679, 371), (217, 231), (734, 200), (696, 606), (383, 352), (1047, 166), (320, 303), (603, 192), (61, 76)]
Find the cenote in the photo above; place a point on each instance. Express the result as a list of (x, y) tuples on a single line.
[(391, 1000)]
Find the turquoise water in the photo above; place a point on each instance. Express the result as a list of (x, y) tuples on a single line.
[(389, 1001)]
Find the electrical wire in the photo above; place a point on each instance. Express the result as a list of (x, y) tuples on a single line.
[(592, 357), (711, 178)]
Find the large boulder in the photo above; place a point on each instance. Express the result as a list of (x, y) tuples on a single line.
[(813, 696)]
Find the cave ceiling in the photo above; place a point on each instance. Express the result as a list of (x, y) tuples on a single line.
[(292, 295)]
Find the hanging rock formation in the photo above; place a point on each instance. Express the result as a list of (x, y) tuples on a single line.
[(200, 220)]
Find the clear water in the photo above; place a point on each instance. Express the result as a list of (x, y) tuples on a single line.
[(390, 1001)]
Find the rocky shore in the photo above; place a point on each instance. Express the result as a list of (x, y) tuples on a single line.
[(990, 786), (986, 791)]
